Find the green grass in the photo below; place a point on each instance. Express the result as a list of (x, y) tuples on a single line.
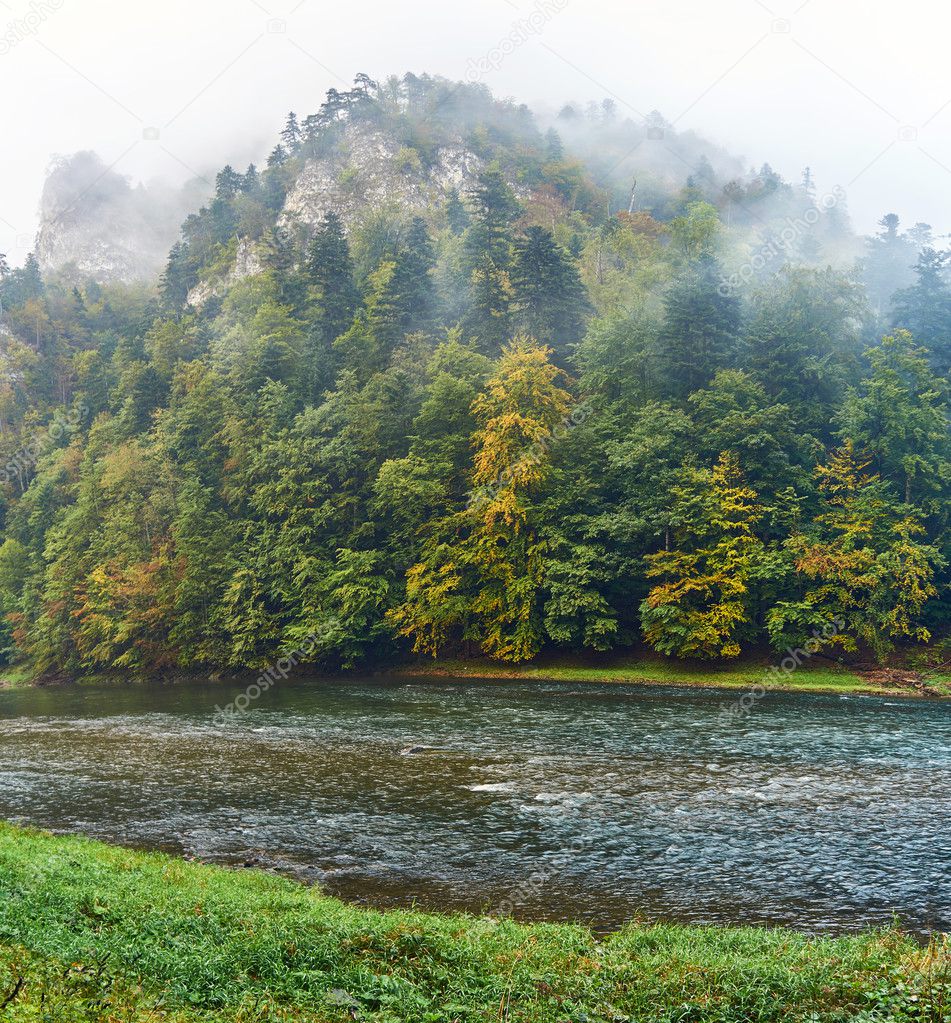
[(626, 668), (16, 676), (657, 671), (92, 932)]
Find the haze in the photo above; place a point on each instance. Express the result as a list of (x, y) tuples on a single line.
[(861, 92)]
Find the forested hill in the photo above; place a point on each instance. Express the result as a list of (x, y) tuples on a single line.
[(442, 378)]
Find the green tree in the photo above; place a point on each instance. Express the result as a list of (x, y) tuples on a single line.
[(924, 309), (482, 574), (330, 272), (900, 416), (700, 331), (550, 300)]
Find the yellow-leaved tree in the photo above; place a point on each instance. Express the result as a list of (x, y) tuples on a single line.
[(702, 605), (866, 573), (482, 570)]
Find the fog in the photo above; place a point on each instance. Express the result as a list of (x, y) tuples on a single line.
[(860, 92)]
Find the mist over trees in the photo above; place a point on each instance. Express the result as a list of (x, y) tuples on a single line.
[(593, 384)]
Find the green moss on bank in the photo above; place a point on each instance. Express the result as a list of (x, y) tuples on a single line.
[(88, 931)]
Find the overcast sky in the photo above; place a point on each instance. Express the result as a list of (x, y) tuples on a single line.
[(860, 91)]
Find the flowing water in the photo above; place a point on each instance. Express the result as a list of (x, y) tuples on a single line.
[(592, 803)]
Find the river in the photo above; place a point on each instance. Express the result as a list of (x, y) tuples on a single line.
[(557, 802)]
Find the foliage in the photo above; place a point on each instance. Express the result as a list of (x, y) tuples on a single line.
[(502, 419)]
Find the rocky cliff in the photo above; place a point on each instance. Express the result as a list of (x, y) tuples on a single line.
[(95, 225)]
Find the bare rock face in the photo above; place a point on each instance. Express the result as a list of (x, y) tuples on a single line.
[(247, 262), (95, 226), (370, 170)]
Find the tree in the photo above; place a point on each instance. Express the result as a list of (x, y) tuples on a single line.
[(291, 134), (703, 607), (900, 417), (695, 232), (550, 300), (494, 208), (887, 268), (330, 271), (456, 216), (866, 574), (413, 278), (489, 318), (700, 329), (801, 341), (482, 574), (924, 309)]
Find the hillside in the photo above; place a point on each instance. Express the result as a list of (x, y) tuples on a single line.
[(443, 379)]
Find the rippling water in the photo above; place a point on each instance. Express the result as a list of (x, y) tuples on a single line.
[(594, 803)]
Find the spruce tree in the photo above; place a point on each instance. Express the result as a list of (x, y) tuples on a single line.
[(700, 330), (330, 269), (924, 309), (550, 299)]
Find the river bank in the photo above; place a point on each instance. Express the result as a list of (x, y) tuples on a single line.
[(744, 675), (630, 670), (95, 932)]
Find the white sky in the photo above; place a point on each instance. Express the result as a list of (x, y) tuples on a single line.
[(858, 89)]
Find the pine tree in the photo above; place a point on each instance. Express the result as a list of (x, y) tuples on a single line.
[(456, 215), (489, 317), (413, 278), (924, 309), (494, 208), (179, 277), (900, 415), (483, 570), (228, 183), (867, 575), (702, 323), (330, 270), (550, 300), (291, 134)]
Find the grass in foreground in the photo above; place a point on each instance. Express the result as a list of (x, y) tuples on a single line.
[(92, 932)]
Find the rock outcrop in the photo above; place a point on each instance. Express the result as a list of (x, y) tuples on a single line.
[(95, 226), (369, 170)]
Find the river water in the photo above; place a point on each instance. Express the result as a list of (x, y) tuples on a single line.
[(579, 802)]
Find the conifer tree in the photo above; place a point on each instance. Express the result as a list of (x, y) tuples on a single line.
[(867, 574), (702, 322), (550, 300), (330, 271)]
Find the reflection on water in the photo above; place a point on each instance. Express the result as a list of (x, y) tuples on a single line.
[(593, 803)]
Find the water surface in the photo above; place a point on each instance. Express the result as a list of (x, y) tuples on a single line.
[(587, 802)]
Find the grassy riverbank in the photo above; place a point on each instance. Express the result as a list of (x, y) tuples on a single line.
[(92, 932), (810, 678), (632, 670)]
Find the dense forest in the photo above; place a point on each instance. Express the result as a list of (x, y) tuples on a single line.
[(533, 404)]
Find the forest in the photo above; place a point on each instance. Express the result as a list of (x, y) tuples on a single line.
[(543, 406)]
